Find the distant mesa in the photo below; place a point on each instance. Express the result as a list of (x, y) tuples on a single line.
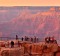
[(40, 24), (52, 9), (59, 8)]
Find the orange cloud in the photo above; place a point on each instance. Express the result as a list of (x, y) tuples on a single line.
[(29, 3)]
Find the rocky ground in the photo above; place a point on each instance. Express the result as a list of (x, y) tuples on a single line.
[(11, 51), (24, 51)]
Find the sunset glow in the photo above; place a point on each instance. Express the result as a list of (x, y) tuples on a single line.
[(29, 2)]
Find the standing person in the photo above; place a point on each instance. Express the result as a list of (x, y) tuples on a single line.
[(31, 39), (34, 39), (22, 38), (16, 37), (48, 47), (25, 38), (12, 44)]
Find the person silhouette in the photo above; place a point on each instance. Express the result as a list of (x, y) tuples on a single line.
[(12, 44)]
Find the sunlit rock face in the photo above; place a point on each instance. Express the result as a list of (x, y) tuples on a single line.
[(40, 24)]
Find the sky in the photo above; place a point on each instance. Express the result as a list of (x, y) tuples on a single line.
[(29, 2)]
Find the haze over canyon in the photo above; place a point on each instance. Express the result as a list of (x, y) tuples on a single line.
[(30, 21)]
